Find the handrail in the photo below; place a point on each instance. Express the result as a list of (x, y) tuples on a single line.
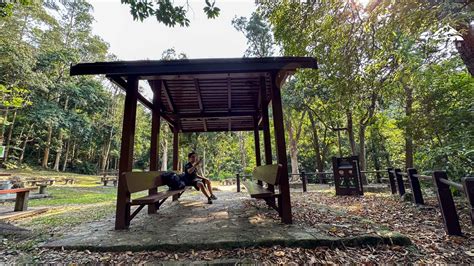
[(426, 177), (451, 183)]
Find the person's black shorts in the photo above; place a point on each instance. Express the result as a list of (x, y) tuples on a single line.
[(193, 182)]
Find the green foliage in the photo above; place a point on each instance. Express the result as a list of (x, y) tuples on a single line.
[(166, 12)]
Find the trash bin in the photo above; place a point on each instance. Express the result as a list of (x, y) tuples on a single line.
[(347, 177)]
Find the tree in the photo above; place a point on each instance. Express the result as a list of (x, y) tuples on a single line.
[(166, 12)]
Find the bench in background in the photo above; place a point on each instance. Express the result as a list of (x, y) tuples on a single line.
[(269, 174)]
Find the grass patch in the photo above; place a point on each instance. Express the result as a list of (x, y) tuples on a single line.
[(76, 195)]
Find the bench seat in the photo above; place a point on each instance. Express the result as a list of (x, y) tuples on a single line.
[(150, 199), (257, 191)]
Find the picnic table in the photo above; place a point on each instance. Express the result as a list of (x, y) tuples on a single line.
[(106, 179)]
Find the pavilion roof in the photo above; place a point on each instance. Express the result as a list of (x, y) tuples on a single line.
[(198, 95)]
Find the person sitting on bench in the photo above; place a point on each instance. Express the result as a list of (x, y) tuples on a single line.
[(191, 178)]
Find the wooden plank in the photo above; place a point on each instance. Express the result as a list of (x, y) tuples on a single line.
[(229, 94), (210, 114), (279, 130), (268, 173), (150, 199), (126, 153), (257, 191), (119, 81), (139, 181), (15, 190), (256, 137)]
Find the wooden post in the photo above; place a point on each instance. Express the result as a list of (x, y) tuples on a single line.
[(267, 143), (21, 202), (238, 182), (399, 179), (391, 180), (122, 213), (415, 186), (279, 128), (446, 204), (175, 149), (155, 136), (468, 184), (304, 180), (256, 136)]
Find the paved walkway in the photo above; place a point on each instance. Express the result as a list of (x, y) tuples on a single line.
[(191, 224)]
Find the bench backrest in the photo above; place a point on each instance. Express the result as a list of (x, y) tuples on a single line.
[(139, 181), (268, 173)]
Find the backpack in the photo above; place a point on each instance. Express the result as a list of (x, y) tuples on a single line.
[(173, 181)]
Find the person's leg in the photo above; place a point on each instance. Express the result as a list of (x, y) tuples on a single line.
[(208, 184), (201, 187)]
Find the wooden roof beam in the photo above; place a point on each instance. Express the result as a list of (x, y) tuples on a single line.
[(198, 91), (204, 123), (166, 90), (119, 81), (214, 115)]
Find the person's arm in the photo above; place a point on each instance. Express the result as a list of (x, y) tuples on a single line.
[(191, 169)]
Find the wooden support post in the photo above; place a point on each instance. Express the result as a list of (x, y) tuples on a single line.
[(238, 182), (122, 213), (391, 179), (415, 186), (468, 184), (279, 128), (155, 137), (399, 179), (304, 179), (21, 202), (267, 144), (256, 136), (446, 204)]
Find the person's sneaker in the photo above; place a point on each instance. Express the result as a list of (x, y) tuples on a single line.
[(209, 200), (213, 197)]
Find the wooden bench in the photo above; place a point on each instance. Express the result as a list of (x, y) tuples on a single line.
[(69, 180), (146, 181), (21, 202), (269, 174)]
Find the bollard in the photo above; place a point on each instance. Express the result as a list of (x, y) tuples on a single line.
[(391, 179), (446, 204), (415, 186), (238, 182), (304, 179), (468, 184), (400, 185)]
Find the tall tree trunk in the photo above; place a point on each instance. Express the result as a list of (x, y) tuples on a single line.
[(465, 46), (9, 136), (350, 132), (293, 146), (44, 163), (408, 128), (243, 152), (66, 155), (164, 146), (5, 119), (319, 162), (59, 151), (362, 160)]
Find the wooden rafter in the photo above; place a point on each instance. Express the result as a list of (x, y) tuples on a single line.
[(123, 84), (198, 91), (213, 114), (166, 90), (204, 124)]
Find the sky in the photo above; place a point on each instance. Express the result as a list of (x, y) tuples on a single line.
[(204, 38)]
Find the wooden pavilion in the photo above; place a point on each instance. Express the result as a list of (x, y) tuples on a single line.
[(202, 95)]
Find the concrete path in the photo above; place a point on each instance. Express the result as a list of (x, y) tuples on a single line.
[(190, 223)]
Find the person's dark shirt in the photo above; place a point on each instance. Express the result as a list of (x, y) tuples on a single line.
[(189, 176)]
